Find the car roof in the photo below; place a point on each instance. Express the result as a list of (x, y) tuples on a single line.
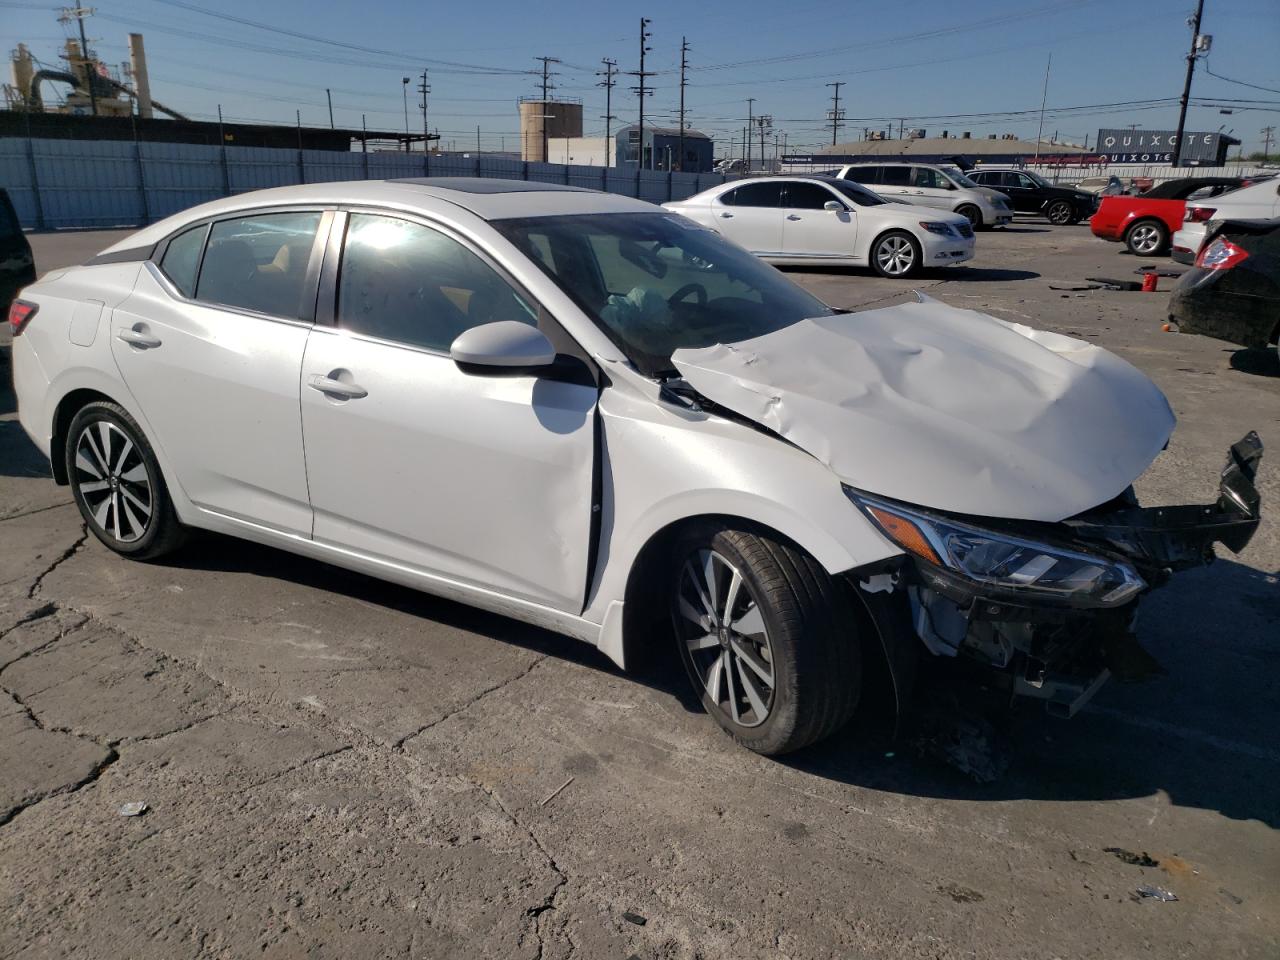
[(489, 199)]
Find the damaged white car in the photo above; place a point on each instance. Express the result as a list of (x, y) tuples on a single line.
[(594, 415)]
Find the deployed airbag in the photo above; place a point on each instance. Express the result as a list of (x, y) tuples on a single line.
[(946, 408)]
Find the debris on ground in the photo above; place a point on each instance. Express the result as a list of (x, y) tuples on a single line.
[(1143, 859), (552, 795), (1075, 286), (961, 894), (1231, 896), (635, 918), (1106, 283), (1156, 893), (134, 808), (1160, 271)]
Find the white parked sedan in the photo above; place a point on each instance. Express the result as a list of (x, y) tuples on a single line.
[(808, 220), (582, 411)]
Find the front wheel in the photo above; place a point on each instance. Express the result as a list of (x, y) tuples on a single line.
[(767, 637), (973, 213), (896, 254), (117, 485), (1060, 212)]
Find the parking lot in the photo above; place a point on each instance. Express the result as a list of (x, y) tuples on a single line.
[(338, 767)]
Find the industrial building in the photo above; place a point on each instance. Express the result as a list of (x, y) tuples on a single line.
[(661, 149), (541, 120)]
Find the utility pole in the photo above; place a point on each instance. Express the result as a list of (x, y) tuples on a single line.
[(404, 86), (547, 85), (1198, 46), (78, 14), (765, 122), (684, 66), (1044, 98), (834, 114), (750, 103), (329, 97), (640, 90), (424, 88), (610, 71), (1268, 135)]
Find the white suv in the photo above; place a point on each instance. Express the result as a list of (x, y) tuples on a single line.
[(930, 185)]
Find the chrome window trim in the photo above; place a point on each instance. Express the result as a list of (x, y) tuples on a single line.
[(175, 294)]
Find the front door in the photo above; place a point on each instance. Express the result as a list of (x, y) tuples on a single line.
[(931, 188), (476, 478), (210, 344), (751, 216), (811, 230)]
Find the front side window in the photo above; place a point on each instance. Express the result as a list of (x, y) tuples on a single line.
[(656, 282), (754, 195), (927, 179), (181, 259), (808, 196), (410, 284), (1022, 180), (259, 263), (859, 195)]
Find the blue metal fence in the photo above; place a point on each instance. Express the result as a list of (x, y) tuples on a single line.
[(71, 184)]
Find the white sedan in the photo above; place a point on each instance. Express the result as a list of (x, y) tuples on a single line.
[(584, 412), (803, 221)]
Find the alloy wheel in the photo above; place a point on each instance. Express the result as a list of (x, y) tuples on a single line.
[(722, 631), (1146, 238), (895, 255), (111, 479), (1059, 212)]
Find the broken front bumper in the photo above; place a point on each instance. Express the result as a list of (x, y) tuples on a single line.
[(1050, 649)]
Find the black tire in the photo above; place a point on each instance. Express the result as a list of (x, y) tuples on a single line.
[(1060, 212), (972, 213), (1147, 238), (810, 639), (881, 245), (131, 512)]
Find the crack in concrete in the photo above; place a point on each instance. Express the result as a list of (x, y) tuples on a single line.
[(399, 745), (58, 561), (299, 765), (31, 513)]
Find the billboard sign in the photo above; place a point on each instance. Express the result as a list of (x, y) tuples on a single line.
[(1157, 146)]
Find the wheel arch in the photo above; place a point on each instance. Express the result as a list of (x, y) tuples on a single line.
[(70, 404)]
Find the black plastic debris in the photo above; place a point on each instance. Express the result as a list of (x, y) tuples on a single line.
[(635, 918), (1107, 283), (1156, 893), (1128, 856)]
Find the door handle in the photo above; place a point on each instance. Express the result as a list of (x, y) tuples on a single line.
[(919, 193), (727, 215), (136, 337), (336, 388), (792, 216)]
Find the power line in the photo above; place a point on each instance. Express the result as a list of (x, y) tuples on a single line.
[(546, 86), (684, 69), (610, 71), (1240, 82), (641, 89), (835, 113)]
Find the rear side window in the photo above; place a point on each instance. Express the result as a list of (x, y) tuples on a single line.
[(863, 174), (754, 195), (182, 259), (896, 176), (259, 263)]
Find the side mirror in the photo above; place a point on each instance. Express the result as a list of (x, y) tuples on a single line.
[(835, 206), (504, 343)]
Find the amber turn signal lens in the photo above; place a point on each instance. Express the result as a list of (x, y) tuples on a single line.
[(905, 534)]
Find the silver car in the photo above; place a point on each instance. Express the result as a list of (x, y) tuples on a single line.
[(941, 186)]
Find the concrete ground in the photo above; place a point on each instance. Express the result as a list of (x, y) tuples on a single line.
[(335, 767)]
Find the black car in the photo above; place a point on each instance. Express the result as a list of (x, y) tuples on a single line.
[(1233, 291), (1032, 193), (17, 267)]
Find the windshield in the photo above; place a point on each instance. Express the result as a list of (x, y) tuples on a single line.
[(656, 282), (956, 174), (858, 194)]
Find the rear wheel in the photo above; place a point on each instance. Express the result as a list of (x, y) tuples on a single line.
[(1147, 238), (117, 484), (1060, 212), (972, 213), (896, 254), (766, 636)]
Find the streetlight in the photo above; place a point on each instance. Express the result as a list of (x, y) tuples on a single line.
[(404, 87)]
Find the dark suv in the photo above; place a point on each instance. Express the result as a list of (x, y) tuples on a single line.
[(17, 268), (1032, 193)]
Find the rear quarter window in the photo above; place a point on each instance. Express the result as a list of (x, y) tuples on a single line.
[(181, 260)]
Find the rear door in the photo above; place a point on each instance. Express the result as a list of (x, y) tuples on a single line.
[(210, 344), (752, 216), (810, 230), (896, 184)]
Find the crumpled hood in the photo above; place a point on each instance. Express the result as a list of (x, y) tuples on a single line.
[(946, 408)]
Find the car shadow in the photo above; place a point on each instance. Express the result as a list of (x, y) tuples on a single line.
[(1021, 229), (966, 274), (1263, 362), (1202, 734)]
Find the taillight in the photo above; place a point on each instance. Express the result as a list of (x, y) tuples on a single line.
[(1220, 255), (20, 314), (1200, 214)]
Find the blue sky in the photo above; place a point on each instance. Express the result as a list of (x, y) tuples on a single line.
[(945, 58)]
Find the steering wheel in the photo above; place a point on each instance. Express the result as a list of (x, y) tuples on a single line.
[(697, 289)]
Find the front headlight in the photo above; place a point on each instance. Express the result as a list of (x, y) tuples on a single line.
[(938, 227), (1000, 560)]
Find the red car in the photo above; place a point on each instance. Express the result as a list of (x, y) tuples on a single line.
[(1146, 222)]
